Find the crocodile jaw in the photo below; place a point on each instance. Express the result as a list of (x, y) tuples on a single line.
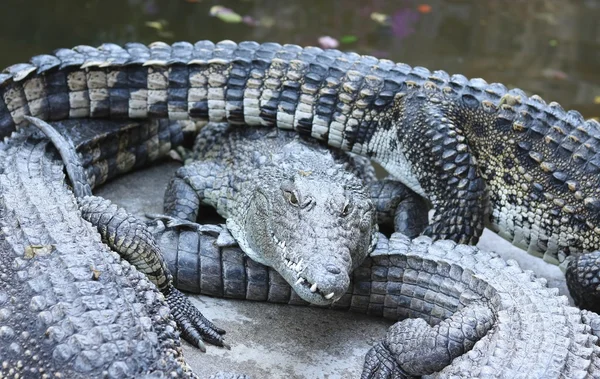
[(295, 271)]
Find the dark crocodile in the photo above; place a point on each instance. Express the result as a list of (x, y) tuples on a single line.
[(69, 307), (292, 204), (494, 319), (481, 153)]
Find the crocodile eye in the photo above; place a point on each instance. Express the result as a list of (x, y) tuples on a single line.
[(291, 197)]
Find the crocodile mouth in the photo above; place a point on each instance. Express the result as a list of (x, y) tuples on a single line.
[(295, 272)]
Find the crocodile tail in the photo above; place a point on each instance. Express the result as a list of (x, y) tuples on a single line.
[(68, 153)]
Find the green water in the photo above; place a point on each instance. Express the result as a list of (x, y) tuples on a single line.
[(548, 47)]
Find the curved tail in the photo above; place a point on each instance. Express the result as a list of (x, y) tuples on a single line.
[(68, 153)]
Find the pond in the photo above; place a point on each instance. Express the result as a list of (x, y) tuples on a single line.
[(548, 47)]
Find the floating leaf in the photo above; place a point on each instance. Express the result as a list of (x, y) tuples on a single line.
[(225, 14), (380, 18), (348, 39), (327, 42), (158, 25), (424, 8), (597, 100), (553, 43)]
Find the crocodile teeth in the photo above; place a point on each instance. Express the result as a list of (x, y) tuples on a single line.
[(299, 281), (329, 296), (313, 288), (282, 244)]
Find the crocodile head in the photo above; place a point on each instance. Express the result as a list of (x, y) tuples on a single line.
[(312, 227)]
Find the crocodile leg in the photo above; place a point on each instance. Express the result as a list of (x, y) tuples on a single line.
[(461, 215), (399, 208), (414, 348), (185, 191), (131, 238)]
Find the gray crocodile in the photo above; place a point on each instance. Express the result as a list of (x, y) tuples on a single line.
[(69, 307), (482, 154), (467, 313), (291, 204), (124, 233)]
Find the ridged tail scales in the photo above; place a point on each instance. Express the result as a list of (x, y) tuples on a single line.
[(466, 144), (130, 237)]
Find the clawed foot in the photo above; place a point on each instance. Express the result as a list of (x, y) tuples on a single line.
[(381, 364), (172, 222), (195, 328), (178, 223)]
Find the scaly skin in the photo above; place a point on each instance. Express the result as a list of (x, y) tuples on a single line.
[(473, 299), (130, 237), (486, 317), (69, 307), (480, 153), (290, 204)]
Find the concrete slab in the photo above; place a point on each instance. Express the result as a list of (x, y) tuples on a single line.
[(280, 341)]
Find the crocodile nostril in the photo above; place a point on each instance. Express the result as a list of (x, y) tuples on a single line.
[(333, 269)]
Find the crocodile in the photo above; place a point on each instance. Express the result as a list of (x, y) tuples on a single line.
[(69, 307), (482, 154), (121, 231), (480, 307), (466, 313), (292, 204)]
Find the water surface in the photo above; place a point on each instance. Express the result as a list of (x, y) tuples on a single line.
[(548, 47)]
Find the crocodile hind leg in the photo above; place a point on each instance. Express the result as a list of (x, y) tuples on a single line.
[(583, 280), (414, 348), (398, 207)]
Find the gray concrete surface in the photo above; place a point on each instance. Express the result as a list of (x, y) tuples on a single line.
[(280, 341)]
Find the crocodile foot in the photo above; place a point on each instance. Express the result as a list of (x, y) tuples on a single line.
[(195, 328), (381, 364), (162, 221)]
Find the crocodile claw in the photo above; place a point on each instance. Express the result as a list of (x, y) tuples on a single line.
[(172, 222), (162, 221), (195, 328), (380, 364)]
